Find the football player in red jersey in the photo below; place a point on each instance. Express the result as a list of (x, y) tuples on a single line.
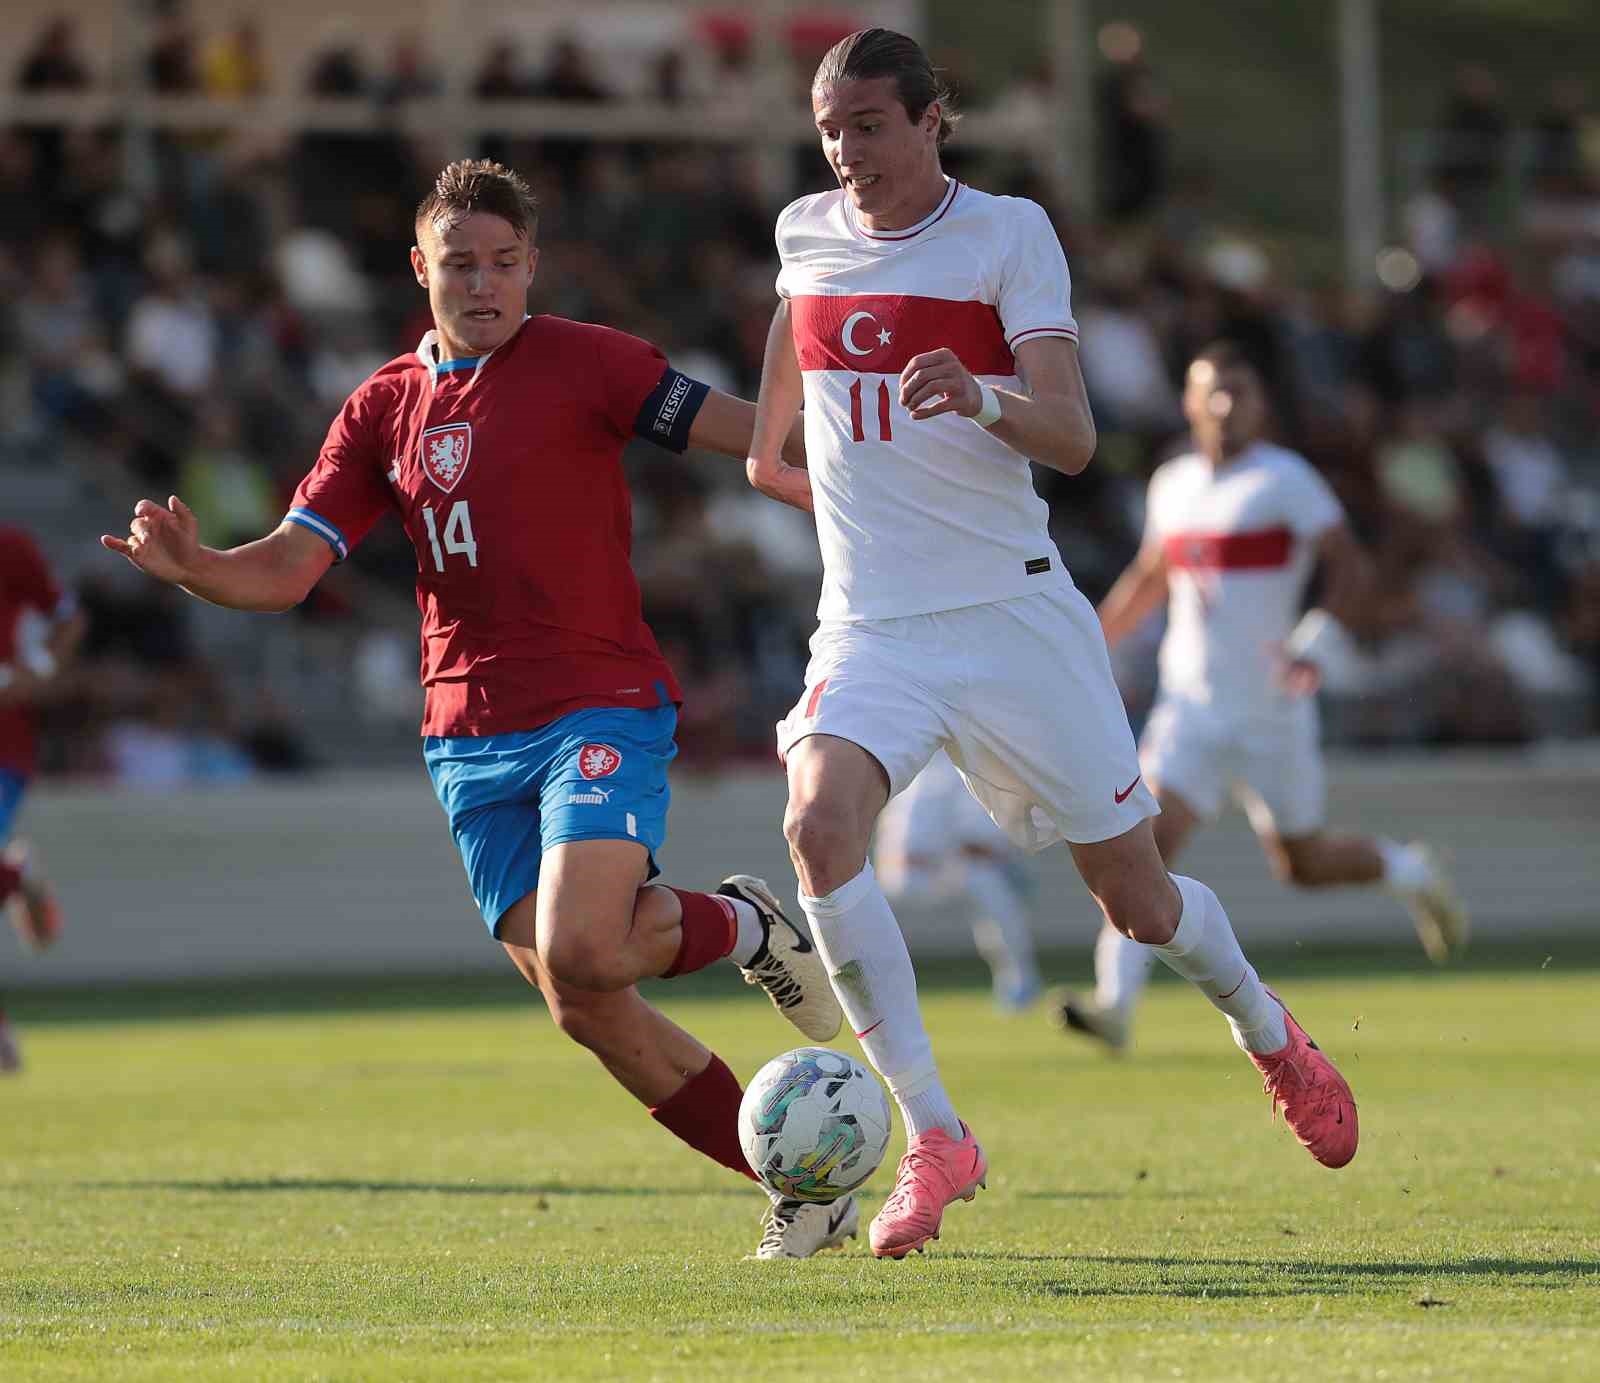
[(40, 629), (550, 711)]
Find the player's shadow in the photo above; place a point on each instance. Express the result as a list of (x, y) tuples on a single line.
[(276, 1185), (1107, 1275)]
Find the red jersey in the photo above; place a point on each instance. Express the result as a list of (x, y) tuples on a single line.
[(25, 584), (506, 472)]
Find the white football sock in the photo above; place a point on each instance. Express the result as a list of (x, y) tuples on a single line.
[(1205, 952), (870, 969), (1405, 867), (751, 932), (1001, 928), (1121, 969)]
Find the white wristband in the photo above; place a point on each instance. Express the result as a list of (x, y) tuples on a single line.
[(1312, 638), (989, 414)]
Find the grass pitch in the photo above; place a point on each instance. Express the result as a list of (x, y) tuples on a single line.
[(420, 1182)]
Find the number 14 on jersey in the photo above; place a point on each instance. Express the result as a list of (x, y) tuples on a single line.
[(457, 536)]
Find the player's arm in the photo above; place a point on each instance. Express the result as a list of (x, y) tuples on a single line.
[(1135, 594), (727, 425), (272, 574), (1349, 579), (28, 680), (1349, 582), (1051, 423), (768, 462)]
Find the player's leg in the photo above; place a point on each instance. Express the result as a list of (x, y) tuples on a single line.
[(1184, 923), (557, 831), (1122, 965), (1000, 926), (935, 842), (862, 730), (1283, 790), (688, 1090), (683, 1084), (1088, 790), (836, 790), (25, 893)]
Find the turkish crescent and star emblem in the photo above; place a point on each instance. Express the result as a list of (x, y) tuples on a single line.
[(598, 761), (445, 453), (863, 334)]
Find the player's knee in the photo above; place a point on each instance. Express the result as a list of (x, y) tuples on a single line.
[(579, 960), (823, 835), (1294, 867), (1147, 914)]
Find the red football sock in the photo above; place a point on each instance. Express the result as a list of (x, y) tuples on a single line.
[(709, 931), (11, 876), (705, 1114)]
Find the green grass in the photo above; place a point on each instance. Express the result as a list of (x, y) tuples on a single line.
[(408, 1182)]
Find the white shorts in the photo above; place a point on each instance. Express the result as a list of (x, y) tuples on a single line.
[(1272, 766), (1018, 692)]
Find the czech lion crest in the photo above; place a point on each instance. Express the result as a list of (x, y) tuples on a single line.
[(445, 453), (598, 761)]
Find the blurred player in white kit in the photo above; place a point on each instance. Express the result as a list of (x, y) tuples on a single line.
[(927, 327), (935, 843), (1234, 529)]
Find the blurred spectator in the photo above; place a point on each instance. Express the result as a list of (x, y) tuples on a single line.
[(1559, 129), (55, 64), (501, 78), (172, 335), (1135, 129), (234, 65), (60, 333), (411, 75), (569, 75), (1472, 134), (170, 67), (337, 71), (231, 494)]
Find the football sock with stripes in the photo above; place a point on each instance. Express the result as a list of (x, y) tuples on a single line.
[(1205, 952), (713, 927), (704, 1112), (861, 944)]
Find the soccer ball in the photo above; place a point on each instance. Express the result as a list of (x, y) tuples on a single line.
[(814, 1124)]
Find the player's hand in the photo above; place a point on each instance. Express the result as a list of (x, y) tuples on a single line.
[(19, 685), (1298, 676), (779, 480), (162, 542), (937, 382)]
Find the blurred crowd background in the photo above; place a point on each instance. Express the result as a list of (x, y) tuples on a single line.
[(183, 309)]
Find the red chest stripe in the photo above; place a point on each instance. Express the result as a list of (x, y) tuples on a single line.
[(1261, 550), (876, 334)]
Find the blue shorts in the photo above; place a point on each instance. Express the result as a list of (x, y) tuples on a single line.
[(592, 775), (12, 786)]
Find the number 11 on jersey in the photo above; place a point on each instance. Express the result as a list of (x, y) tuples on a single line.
[(457, 534), (857, 432)]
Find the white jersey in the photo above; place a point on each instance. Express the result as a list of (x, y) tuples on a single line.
[(1240, 543), (916, 517)]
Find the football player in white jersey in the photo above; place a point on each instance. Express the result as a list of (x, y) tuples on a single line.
[(1233, 531), (927, 328), (935, 842)]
